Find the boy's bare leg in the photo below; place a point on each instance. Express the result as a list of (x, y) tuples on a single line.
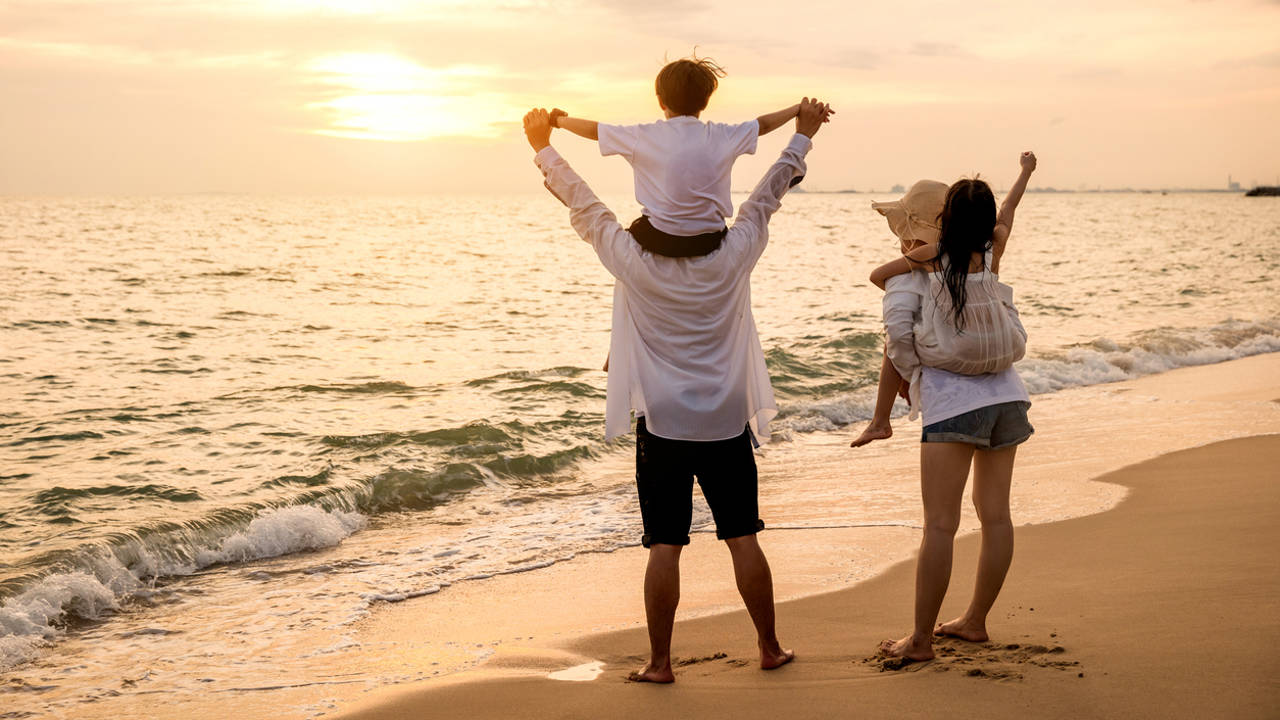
[(661, 596), (880, 429), (755, 584), (992, 476)]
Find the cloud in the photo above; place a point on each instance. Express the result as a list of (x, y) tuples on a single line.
[(935, 49), (856, 58), (1270, 59)]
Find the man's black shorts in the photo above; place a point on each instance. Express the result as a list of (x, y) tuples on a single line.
[(726, 471)]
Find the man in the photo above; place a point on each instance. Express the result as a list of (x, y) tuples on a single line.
[(686, 359)]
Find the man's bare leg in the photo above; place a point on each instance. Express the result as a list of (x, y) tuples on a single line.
[(880, 428), (755, 584), (944, 468), (661, 596), (992, 477)]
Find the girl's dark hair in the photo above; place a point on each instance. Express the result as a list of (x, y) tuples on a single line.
[(968, 221), (685, 86)]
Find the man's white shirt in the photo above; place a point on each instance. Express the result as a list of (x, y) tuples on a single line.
[(684, 350)]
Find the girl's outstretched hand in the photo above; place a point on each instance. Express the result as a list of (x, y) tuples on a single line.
[(1027, 161)]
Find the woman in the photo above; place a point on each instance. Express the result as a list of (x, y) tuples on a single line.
[(976, 420)]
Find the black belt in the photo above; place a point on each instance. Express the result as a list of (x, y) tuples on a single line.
[(676, 246)]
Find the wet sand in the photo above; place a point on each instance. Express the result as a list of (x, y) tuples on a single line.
[(1164, 606)]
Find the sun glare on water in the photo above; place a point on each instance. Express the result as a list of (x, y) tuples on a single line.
[(386, 97)]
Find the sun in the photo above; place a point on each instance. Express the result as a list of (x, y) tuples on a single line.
[(377, 96)]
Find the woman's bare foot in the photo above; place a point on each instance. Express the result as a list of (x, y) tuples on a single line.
[(770, 659), (874, 431), (909, 647), (964, 629), (652, 674)]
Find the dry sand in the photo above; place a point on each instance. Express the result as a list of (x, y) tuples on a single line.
[(1165, 606)]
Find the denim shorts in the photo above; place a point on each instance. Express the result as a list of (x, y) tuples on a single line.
[(989, 428)]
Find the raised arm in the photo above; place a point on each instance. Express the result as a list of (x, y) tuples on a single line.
[(1004, 219), (774, 120), (593, 222), (588, 129), (754, 212), (1011, 200)]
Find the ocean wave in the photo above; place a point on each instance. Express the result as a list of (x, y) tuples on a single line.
[(58, 496), (398, 489), (1150, 352), (1101, 361), (824, 366), (563, 371), (380, 387), (476, 432), (57, 437), (98, 578), (96, 581)]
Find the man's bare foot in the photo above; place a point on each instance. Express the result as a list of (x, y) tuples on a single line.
[(909, 647), (963, 629), (873, 432), (775, 659), (652, 674)]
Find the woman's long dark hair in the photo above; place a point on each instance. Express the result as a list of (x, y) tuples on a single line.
[(968, 220)]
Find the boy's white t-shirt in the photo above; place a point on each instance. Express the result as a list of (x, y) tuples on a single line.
[(682, 167)]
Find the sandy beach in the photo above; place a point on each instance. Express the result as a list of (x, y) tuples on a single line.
[(1163, 605)]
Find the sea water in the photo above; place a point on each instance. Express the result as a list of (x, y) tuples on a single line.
[(232, 425)]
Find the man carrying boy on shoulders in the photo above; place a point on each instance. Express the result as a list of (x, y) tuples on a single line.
[(685, 357)]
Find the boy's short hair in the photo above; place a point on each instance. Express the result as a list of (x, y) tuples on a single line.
[(685, 86)]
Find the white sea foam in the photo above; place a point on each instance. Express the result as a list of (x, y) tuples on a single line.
[(1102, 361), (1107, 361), (31, 619), (28, 620), (282, 531)]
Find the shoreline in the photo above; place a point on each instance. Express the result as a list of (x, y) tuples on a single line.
[(525, 626), (1153, 566), (1221, 388)]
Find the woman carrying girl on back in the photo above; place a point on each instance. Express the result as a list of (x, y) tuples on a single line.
[(995, 340), (937, 303)]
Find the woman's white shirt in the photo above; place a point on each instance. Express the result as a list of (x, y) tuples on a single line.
[(938, 394)]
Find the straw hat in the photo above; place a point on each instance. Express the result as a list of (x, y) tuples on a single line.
[(914, 218)]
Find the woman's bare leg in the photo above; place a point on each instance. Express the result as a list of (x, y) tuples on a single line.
[(944, 468), (992, 478), (886, 392)]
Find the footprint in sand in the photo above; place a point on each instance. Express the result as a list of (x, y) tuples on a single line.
[(694, 661), (992, 661)]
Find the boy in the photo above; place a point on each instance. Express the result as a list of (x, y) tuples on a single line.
[(682, 165)]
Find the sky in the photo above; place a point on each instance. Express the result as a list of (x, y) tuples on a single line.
[(388, 96)]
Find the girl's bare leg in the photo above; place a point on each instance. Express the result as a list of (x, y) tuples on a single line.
[(992, 477), (880, 429), (944, 468)]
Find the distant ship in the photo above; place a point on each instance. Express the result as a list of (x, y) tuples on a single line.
[(1264, 191)]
